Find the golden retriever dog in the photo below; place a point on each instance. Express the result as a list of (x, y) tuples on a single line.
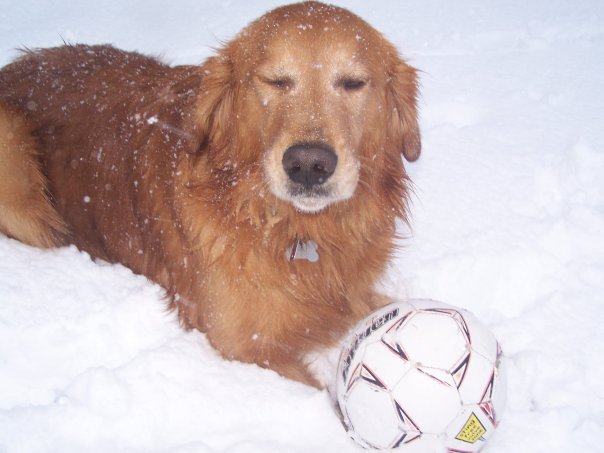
[(261, 189)]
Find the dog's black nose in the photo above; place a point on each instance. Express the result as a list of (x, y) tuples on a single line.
[(309, 164)]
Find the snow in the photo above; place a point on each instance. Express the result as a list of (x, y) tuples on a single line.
[(508, 221)]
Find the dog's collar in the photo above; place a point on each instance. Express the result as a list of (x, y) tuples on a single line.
[(303, 250)]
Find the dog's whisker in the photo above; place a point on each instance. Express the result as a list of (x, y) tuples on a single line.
[(175, 130), (364, 183)]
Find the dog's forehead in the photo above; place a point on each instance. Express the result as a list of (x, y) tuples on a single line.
[(306, 47), (312, 27), (310, 12), (317, 37)]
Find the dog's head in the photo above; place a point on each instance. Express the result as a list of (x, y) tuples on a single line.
[(317, 98)]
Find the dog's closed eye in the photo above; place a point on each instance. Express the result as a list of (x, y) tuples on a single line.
[(351, 84), (281, 83)]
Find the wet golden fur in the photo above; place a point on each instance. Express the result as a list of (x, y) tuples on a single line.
[(175, 173)]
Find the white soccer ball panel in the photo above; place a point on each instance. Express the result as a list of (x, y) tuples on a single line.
[(368, 331), (444, 376), (470, 430), (430, 404), (382, 319), (349, 362), (482, 339), (404, 307), (500, 388), (427, 304), (426, 443), (476, 379), (386, 365), (433, 339), (372, 415)]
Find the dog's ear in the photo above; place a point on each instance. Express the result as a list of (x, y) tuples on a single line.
[(402, 103), (214, 104)]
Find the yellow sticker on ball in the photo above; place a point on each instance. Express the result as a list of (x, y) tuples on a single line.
[(472, 431)]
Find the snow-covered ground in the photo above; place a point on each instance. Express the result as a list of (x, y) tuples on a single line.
[(508, 222)]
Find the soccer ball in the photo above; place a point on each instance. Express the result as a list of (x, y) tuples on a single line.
[(421, 376)]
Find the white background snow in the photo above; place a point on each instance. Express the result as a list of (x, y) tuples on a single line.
[(508, 222)]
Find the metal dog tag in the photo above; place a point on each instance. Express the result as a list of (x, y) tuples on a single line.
[(301, 250)]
